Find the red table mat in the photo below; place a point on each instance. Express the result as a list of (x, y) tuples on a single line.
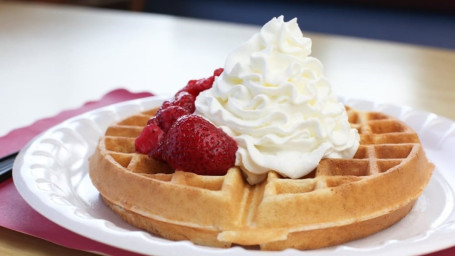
[(17, 215)]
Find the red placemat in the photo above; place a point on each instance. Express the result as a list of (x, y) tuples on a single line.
[(17, 215)]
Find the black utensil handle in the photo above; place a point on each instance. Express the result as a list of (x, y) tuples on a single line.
[(6, 166)]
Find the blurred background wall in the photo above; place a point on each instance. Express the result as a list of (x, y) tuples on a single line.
[(422, 22)]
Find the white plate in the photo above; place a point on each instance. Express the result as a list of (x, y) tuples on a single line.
[(51, 174)]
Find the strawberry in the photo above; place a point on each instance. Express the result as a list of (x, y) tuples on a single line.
[(166, 117), (181, 99), (194, 144), (182, 104), (149, 139), (217, 72), (194, 87), (152, 120)]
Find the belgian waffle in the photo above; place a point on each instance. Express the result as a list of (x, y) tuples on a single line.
[(342, 200)]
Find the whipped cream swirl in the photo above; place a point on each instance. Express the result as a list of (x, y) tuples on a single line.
[(273, 99)]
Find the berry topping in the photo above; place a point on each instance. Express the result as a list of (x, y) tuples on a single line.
[(194, 87), (152, 120), (181, 99), (149, 139), (184, 140), (166, 117), (194, 144), (218, 72)]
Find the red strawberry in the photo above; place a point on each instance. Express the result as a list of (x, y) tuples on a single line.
[(149, 139), (182, 104), (166, 117), (152, 120), (218, 71), (181, 99), (193, 144), (194, 87)]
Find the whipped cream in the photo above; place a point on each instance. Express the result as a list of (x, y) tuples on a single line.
[(273, 99)]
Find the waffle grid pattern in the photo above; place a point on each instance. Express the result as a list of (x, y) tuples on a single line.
[(385, 143), (266, 213)]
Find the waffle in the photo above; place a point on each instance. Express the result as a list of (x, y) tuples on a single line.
[(342, 200)]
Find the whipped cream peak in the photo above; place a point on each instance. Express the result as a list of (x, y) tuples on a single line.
[(274, 100)]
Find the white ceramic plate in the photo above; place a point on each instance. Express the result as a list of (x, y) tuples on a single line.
[(51, 173)]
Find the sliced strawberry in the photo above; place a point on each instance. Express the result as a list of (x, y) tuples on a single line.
[(218, 71), (166, 117), (200, 85), (195, 87), (181, 105), (149, 139), (181, 99), (152, 120), (194, 144)]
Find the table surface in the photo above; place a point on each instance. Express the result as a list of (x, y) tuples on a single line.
[(56, 58)]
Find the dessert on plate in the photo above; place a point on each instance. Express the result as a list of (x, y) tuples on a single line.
[(261, 153)]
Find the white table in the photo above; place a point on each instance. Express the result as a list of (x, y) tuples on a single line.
[(54, 58)]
